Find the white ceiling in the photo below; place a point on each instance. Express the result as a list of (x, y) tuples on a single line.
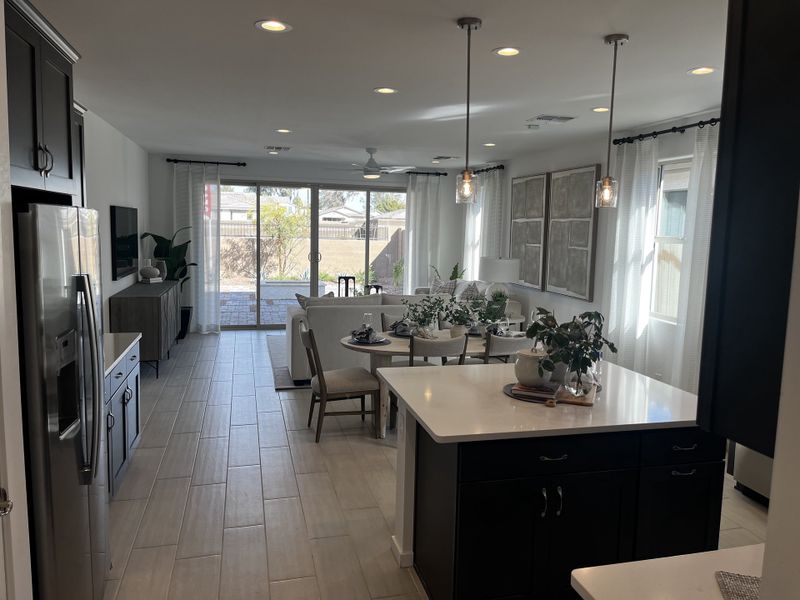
[(196, 77)]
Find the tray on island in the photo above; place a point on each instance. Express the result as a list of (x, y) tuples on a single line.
[(562, 396)]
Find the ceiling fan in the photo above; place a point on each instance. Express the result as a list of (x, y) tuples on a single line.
[(372, 170)]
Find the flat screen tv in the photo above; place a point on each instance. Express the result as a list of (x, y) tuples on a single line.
[(124, 241)]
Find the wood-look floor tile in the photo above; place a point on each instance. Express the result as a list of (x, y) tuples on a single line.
[(141, 474), (244, 504), (220, 392), (382, 484), (349, 481), (338, 570), (288, 548), (211, 465), (190, 418), (295, 413), (243, 448), (271, 432), (161, 524), (179, 457), (201, 533), (217, 421), (147, 574), (263, 375), (373, 544), (157, 430), (733, 538), (304, 588), (110, 589), (244, 384), (225, 355), (195, 579), (124, 519), (244, 564), (203, 369), (223, 371), (243, 410), (324, 516), (277, 473), (187, 358), (198, 389), (179, 376), (207, 354), (170, 398), (307, 455), (267, 400), (243, 365), (747, 513)]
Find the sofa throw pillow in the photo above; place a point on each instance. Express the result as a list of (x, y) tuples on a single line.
[(303, 300), (443, 287), (471, 292)]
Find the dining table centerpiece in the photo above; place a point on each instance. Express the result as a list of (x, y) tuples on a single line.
[(460, 316), (424, 314)]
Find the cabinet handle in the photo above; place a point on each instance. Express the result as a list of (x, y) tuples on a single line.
[(550, 459), (50, 162), (684, 473), (126, 396), (39, 167), (684, 448), (118, 375), (560, 501), (110, 421), (544, 510), (134, 357)]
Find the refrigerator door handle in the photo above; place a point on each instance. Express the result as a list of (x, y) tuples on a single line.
[(97, 385)]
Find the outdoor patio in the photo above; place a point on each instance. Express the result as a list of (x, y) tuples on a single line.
[(238, 302)]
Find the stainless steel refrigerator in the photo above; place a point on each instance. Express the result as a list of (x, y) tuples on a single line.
[(62, 349)]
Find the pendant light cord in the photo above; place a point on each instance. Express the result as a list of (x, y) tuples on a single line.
[(469, 71), (611, 109)]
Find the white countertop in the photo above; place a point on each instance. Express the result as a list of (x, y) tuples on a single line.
[(115, 346), (467, 403), (687, 577)]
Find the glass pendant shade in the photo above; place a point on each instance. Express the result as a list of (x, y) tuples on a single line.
[(606, 193), (466, 187)]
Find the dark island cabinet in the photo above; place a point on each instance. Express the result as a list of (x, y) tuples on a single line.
[(40, 103), (511, 519), (123, 419)]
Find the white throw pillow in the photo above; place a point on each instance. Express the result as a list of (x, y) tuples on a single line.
[(303, 300), (471, 292), (443, 287)]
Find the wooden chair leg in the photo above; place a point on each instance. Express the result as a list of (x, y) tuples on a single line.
[(363, 408), (323, 401), (311, 408)]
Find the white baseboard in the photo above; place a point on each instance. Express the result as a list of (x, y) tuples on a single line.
[(404, 558)]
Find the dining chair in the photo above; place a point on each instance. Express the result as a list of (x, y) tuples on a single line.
[(440, 348), (500, 348), (336, 384)]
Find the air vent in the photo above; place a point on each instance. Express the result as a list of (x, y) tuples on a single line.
[(277, 148), (532, 126), (444, 157), (555, 119)]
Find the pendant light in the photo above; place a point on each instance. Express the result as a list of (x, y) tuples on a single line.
[(607, 188), (467, 182)]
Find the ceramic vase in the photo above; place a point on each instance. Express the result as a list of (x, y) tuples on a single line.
[(458, 331), (527, 368)]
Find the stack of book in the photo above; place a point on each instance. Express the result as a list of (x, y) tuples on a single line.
[(540, 393), (153, 280)]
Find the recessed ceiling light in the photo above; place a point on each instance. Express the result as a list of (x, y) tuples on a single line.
[(283, 131), (372, 175), (600, 109), (273, 152), (435, 162), (507, 51), (385, 90), (490, 144), (701, 71), (273, 26)]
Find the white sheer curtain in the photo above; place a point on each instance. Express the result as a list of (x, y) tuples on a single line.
[(196, 190), (691, 299), (484, 223), (632, 270), (424, 193)]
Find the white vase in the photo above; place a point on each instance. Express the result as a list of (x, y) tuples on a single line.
[(458, 331), (527, 368)]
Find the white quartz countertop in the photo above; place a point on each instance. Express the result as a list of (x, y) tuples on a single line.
[(115, 346), (687, 577), (466, 403)]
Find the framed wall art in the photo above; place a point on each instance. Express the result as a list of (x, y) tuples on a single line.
[(528, 221)]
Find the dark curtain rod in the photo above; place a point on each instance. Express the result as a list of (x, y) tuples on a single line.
[(429, 173), (680, 129), (487, 169), (206, 162)]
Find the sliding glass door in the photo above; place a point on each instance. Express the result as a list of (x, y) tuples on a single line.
[(280, 240)]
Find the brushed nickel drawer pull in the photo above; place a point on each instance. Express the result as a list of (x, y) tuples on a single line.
[(560, 501), (677, 448), (549, 459), (118, 375), (133, 358), (684, 473), (544, 510)]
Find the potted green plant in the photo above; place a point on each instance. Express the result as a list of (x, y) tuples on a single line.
[(174, 256), (423, 314), (571, 347), (460, 316), (489, 311)]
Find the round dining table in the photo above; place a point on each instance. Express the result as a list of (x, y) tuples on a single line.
[(380, 355)]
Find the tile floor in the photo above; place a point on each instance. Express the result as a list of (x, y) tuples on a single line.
[(228, 497)]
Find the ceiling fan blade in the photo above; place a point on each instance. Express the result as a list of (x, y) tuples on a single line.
[(397, 169)]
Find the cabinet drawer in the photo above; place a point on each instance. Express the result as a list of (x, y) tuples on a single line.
[(508, 459), (679, 446), (115, 379), (131, 358)]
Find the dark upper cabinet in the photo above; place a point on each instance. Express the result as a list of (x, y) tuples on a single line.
[(753, 227), (40, 105)]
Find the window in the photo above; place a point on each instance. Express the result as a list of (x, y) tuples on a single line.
[(670, 238)]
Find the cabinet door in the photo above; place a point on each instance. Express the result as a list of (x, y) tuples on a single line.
[(679, 509), (24, 115), (132, 408), (57, 132), (590, 522), (499, 538), (117, 447)]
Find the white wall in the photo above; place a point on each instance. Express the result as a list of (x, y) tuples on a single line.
[(783, 525), (116, 174)]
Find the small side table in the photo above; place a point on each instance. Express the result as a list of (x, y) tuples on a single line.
[(349, 282)]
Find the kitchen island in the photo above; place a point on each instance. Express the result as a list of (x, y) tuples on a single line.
[(499, 498)]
